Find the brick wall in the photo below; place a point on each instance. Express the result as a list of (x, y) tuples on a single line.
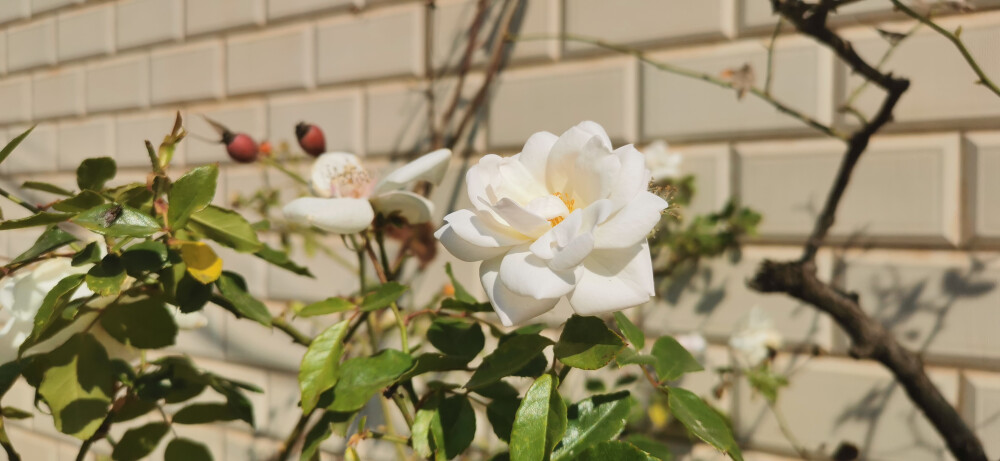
[(923, 212)]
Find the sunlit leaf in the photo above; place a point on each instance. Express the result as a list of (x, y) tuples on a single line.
[(631, 332), (226, 227), (106, 277), (703, 421), (77, 385), (384, 295), (144, 324), (363, 377), (181, 449), (672, 359), (597, 419), (191, 193), (587, 343), (201, 261), (540, 421), (321, 364), (118, 221), (507, 359), (234, 289), (51, 239)]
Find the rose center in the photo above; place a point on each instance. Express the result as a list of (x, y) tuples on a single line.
[(570, 206), (351, 181)]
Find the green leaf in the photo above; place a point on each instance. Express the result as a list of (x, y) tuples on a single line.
[(13, 144), (15, 413), (191, 193), (326, 306), (672, 359), (629, 356), (90, 254), (501, 413), (139, 442), (116, 220), (427, 431), (77, 385), (51, 239), (631, 332), (226, 227), (616, 450), (133, 407), (766, 382), (233, 288), (181, 449), (426, 363), (144, 324), (321, 431), (587, 343), (458, 424), (93, 173), (40, 219), (106, 277), (203, 413), (655, 449), (83, 201), (51, 309), (461, 294), (281, 259), (592, 421), (457, 337), (9, 372), (144, 257), (321, 363), (460, 306), (509, 357), (363, 377), (540, 421), (703, 421), (383, 296), (46, 187)]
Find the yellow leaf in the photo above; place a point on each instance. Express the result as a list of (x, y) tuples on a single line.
[(202, 262)]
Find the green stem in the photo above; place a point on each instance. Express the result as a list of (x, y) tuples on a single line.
[(758, 92), (7, 446), (296, 335), (401, 323), (19, 201), (291, 174)]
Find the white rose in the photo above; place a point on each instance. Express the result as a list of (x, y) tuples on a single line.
[(662, 162), (21, 296), (754, 339), (565, 217), (347, 200)]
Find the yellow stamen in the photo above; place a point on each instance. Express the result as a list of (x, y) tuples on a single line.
[(570, 205)]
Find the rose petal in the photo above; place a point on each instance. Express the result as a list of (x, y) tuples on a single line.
[(462, 249), (632, 178), (632, 223), (525, 274), (481, 230), (509, 306), (535, 153), (520, 219), (337, 215), (412, 207), (430, 167), (612, 280), (594, 172)]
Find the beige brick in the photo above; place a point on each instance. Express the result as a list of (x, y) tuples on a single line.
[(452, 20), (136, 27), (244, 117), (213, 15), (278, 59), (12, 10), (937, 302), (982, 169), (31, 45), (36, 154), (980, 405), (555, 99), (212, 436), (338, 114), (242, 181), (262, 348), (39, 6), (245, 374), (383, 43), (15, 99), (714, 299), (789, 181), (79, 140), (58, 93), (132, 131), (333, 277), (847, 401), (397, 115), (282, 404), (649, 21), (121, 83), (711, 165), (936, 97), (283, 8), (756, 15), (676, 107), (206, 342), (241, 446), (3, 52), (187, 73), (20, 240), (33, 446), (86, 32)]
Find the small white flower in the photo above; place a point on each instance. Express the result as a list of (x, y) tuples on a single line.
[(754, 339), (21, 296), (695, 343), (568, 216), (347, 200), (662, 162)]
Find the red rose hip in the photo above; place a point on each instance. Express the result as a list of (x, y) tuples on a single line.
[(311, 138)]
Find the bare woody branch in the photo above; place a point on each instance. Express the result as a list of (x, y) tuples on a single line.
[(870, 340)]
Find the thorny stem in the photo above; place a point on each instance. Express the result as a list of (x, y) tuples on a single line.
[(770, 56), (666, 67), (17, 200), (282, 168), (848, 105), (954, 39), (296, 335)]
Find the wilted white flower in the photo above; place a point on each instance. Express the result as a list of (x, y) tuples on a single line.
[(754, 339), (662, 162), (21, 296), (565, 217), (347, 199)]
